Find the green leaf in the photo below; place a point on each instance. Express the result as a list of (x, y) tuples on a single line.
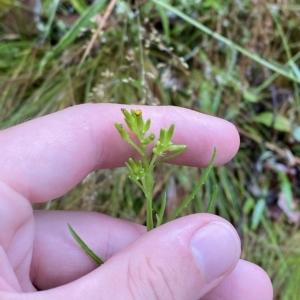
[(161, 213), (54, 7), (178, 150), (286, 189), (278, 69), (188, 199), (210, 208), (258, 213), (80, 6), (248, 206), (296, 133), (71, 35), (85, 247), (123, 133), (281, 122), (170, 132), (149, 139), (147, 125), (165, 22)]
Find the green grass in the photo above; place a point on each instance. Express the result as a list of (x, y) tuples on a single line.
[(239, 62)]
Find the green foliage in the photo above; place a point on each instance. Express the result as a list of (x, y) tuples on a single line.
[(71, 35), (280, 123), (257, 213), (141, 172), (182, 66), (85, 247)]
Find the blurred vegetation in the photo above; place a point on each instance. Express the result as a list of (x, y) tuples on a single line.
[(236, 59)]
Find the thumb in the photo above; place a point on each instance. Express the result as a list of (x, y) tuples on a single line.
[(183, 259)]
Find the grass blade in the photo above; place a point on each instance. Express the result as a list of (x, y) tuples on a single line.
[(71, 35), (281, 70), (210, 208), (54, 7), (258, 213), (196, 189), (160, 215), (85, 247)]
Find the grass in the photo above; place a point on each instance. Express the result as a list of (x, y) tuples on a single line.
[(236, 60)]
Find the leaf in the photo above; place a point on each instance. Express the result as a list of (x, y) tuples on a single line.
[(79, 5), (254, 56), (210, 208), (286, 189), (160, 215), (85, 247), (248, 206), (296, 133), (165, 22), (281, 123), (71, 35), (188, 199), (257, 213)]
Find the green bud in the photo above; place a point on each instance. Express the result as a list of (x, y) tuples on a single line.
[(124, 134), (170, 132), (176, 148), (129, 168), (127, 114), (140, 122), (131, 126), (163, 135), (136, 169), (158, 148), (129, 119), (147, 125), (133, 165), (149, 139)]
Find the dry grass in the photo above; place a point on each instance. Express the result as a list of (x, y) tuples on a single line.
[(174, 63)]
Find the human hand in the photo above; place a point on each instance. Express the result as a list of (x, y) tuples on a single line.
[(190, 258)]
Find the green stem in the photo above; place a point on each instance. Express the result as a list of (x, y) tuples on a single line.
[(196, 190), (140, 151), (149, 212), (152, 162)]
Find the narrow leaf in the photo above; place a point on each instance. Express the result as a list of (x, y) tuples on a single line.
[(85, 247), (281, 123), (161, 213), (257, 213), (176, 153), (71, 35), (196, 189), (210, 208), (286, 189), (254, 56)]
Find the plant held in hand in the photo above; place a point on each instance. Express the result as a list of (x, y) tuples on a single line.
[(141, 171)]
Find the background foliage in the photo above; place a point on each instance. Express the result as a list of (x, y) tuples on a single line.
[(236, 59)]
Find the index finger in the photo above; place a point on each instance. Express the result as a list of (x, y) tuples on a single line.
[(44, 158)]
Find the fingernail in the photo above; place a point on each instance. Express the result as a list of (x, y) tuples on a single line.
[(216, 249)]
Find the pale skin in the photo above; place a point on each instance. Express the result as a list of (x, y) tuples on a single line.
[(44, 158)]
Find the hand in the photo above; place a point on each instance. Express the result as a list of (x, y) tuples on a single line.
[(189, 258)]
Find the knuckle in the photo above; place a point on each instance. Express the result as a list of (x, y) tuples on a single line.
[(150, 279)]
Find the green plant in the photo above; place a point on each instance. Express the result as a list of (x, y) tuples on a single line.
[(141, 170)]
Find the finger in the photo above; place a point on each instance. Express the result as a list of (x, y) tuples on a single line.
[(44, 158), (58, 259), (183, 259), (16, 240), (247, 280)]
